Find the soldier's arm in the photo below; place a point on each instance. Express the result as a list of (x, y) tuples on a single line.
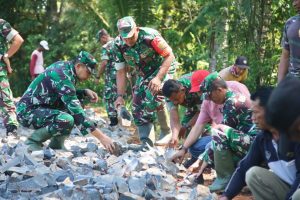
[(15, 45), (67, 93), (102, 67), (193, 120), (230, 114), (12, 36), (120, 66), (104, 59), (174, 121), (163, 49)]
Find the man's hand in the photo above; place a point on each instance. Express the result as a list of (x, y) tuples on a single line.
[(119, 101), (173, 142), (194, 167), (178, 157), (223, 198), (154, 85), (92, 95), (182, 132), (106, 141)]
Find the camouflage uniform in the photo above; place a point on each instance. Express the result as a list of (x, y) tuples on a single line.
[(6, 98), (51, 100), (110, 88), (147, 60), (237, 131), (192, 101)]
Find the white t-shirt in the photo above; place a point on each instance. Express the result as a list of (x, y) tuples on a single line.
[(39, 64)]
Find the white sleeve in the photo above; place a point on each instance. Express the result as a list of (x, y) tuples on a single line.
[(11, 35), (120, 65)]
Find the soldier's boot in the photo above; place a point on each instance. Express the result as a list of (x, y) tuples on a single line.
[(36, 139), (224, 166), (113, 121), (58, 142), (146, 134)]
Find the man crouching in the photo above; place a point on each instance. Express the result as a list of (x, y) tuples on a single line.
[(51, 106)]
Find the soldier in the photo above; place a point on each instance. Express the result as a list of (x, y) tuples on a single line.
[(180, 92), (211, 113), (234, 135), (146, 50), (237, 72), (8, 34), (40, 106), (107, 67)]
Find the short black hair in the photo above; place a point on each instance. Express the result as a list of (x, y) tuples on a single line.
[(263, 94), (283, 107), (171, 86), (218, 83)]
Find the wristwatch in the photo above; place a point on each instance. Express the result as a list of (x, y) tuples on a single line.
[(184, 148)]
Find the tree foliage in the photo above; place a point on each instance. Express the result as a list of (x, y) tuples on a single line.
[(199, 31)]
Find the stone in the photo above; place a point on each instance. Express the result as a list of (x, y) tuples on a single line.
[(149, 194), (38, 155), (82, 161), (29, 185), (92, 147), (82, 180), (111, 196), (169, 153), (13, 162), (49, 153), (121, 184), (130, 196), (137, 185), (64, 154), (19, 170), (100, 165), (61, 175), (63, 163)]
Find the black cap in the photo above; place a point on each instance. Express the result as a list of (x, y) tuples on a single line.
[(241, 62)]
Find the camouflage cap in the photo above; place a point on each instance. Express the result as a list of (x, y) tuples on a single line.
[(206, 85), (87, 59), (126, 27), (101, 33)]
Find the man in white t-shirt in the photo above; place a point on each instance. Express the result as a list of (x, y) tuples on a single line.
[(37, 60)]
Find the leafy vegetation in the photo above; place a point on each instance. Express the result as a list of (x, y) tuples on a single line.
[(199, 31)]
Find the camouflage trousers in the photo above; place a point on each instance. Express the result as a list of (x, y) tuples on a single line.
[(145, 104), (225, 137), (110, 96), (7, 105), (57, 122)]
